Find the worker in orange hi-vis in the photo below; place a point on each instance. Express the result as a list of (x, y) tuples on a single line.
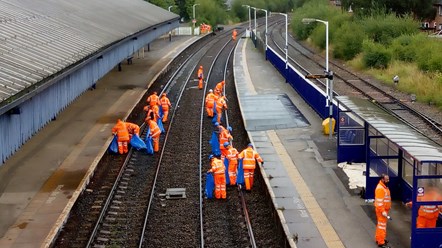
[(428, 214), (165, 105), (133, 129), (219, 88), (218, 170), (224, 136), (123, 138), (200, 75), (232, 157), (221, 105), (210, 102), (382, 203), (249, 158), (234, 33), (155, 109), (153, 99), (155, 132)]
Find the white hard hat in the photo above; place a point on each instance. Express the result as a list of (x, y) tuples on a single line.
[(210, 90)]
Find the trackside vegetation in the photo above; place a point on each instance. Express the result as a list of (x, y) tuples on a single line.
[(380, 43)]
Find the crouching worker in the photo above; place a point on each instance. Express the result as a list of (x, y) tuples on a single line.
[(155, 132), (133, 129), (218, 171), (120, 129)]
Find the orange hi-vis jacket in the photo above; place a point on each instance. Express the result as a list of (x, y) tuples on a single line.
[(155, 131), (224, 136), (382, 201), (218, 167), (165, 103), (219, 87), (133, 128), (249, 158), (153, 100), (210, 100), (221, 104), (429, 211), (232, 156), (121, 130), (152, 109), (200, 74)]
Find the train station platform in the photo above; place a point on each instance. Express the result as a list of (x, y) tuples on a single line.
[(35, 202), (309, 190), (300, 169)]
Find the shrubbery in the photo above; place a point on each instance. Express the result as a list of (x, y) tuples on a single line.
[(348, 41), (375, 55), (429, 57)]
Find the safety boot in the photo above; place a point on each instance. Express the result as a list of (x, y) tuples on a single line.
[(384, 246)]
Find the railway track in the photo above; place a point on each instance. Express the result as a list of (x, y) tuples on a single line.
[(153, 201), (345, 79)]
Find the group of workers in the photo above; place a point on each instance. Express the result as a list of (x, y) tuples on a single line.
[(229, 157), (427, 214), (157, 109)]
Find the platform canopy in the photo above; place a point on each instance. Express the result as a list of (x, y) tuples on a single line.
[(414, 143), (39, 38)]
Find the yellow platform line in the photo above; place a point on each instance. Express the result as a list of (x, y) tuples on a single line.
[(321, 221)]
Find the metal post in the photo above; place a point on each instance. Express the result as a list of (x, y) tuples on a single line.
[(193, 20), (250, 22), (286, 41), (256, 30), (330, 105), (329, 78), (266, 30), (250, 19)]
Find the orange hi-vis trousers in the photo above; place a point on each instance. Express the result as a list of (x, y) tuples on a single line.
[(122, 147), (233, 166), (248, 178), (220, 186), (381, 228)]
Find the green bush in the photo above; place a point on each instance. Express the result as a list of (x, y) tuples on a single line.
[(403, 49), (429, 58), (348, 41), (384, 28), (313, 9), (375, 55)]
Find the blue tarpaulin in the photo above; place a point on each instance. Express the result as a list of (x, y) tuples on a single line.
[(240, 175), (160, 125), (113, 147), (161, 113), (149, 142), (210, 185), (214, 142), (149, 145), (226, 164), (137, 143)]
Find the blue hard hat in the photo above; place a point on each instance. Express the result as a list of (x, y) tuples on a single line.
[(211, 156), (230, 128), (226, 144), (216, 124), (250, 145)]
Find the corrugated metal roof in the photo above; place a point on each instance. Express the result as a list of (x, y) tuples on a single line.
[(40, 38), (414, 143)]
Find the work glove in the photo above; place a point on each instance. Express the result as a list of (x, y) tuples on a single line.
[(384, 214)]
